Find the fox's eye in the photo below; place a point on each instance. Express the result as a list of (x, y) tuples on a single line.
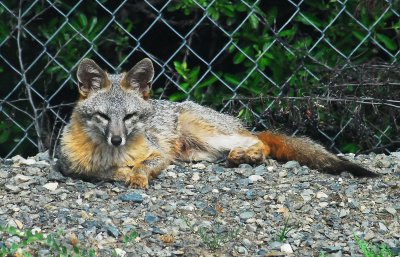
[(102, 116), (130, 115)]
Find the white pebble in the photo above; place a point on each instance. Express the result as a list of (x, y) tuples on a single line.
[(120, 252), (187, 208), (199, 166), (255, 178), (323, 204), (79, 201), (171, 174), (282, 174), (343, 213), (28, 161), (196, 176), (286, 248), (51, 186), (22, 178), (391, 210), (321, 195)]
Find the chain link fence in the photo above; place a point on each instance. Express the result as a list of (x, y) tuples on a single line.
[(327, 69)]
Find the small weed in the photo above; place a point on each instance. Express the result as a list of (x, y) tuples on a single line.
[(31, 242), (285, 230), (373, 250), (216, 236), (129, 237), (57, 244), (322, 254)]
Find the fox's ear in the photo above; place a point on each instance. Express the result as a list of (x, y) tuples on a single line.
[(140, 77), (90, 77)]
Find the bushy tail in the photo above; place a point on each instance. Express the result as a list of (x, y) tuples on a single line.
[(309, 153)]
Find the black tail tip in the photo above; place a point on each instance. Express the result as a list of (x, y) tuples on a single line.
[(358, 170), (337, 167)]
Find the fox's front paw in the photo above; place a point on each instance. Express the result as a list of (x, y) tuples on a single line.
[(138, 181)]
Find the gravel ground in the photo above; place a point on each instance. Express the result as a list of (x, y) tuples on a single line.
[(206, 209)]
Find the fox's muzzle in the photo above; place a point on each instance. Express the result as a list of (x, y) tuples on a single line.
[(116, 135)]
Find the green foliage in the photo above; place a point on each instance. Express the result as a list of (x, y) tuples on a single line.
[(285, 230), (256, 50), (216, 235), (31, 241), (191, 83), (373, 250), (268, 56), (129, 237), (4, 132)]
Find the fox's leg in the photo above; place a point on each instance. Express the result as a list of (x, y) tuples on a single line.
[(139, 174)]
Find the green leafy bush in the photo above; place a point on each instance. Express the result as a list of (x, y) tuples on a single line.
[(271, 63)]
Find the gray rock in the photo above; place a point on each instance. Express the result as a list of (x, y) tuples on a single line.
[(12, 188), (260, 170), (250, 194), (145, 234), (55, 175), (4, 174), (391, 210), (351, 189), (245, 170), (95, 210), (218, 169), (213, 178), (43, 252), (90, 223), (158, 231), (246, 215), (331, 249), (205, 189), (112, 230), (43, 156), (275, 245), (151, 218), (210, 211), (243, 182), (242, 250), (181, 223), (8, 162), (131, 197), (291, 165), (251, 228), (354, 204)]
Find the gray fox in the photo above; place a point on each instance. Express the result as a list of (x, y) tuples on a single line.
[(118, 133)]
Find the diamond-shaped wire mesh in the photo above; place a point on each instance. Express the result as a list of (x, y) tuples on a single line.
[(327, 69)]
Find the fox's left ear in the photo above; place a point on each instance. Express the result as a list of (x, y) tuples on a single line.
[(140, 77)]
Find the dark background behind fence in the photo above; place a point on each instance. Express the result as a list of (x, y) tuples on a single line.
[(326, 69)]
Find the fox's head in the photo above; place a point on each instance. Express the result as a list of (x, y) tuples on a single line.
[(112, 108)]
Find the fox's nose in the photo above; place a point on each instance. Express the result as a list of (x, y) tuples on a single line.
[(116, 140)]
